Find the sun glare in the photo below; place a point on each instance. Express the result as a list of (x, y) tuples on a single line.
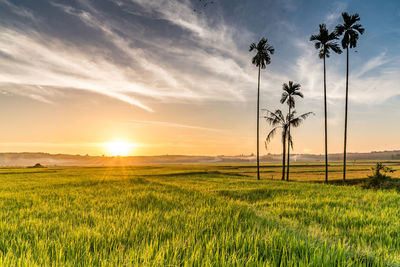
[(119, 148)]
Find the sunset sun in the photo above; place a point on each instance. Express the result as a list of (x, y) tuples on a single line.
[(119, 148)]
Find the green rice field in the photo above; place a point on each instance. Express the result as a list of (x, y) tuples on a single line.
[(196, 215)]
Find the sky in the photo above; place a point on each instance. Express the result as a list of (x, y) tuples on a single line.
[(76, 75)]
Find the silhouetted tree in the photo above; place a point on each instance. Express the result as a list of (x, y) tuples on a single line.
[(290, 90), (349, 29), (324, 42), (278, 121), (260, 60)]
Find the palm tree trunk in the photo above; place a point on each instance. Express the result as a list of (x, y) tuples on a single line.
[(326, 127), (284, 158), (288, 150), (258, 124), (345, 114)]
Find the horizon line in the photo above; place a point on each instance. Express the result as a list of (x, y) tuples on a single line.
[(196, 155)]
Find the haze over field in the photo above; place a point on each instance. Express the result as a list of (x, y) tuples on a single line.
[(76, 76), (47, 160)]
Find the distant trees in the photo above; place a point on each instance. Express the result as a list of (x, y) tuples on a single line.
[(278, 121), (350, 30), (324, 43), (260, 60)]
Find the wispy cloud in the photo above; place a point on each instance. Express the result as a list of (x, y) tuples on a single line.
[(201, 59), (373, 82), (172, 124), (17, 10), (333, 17), (151, 69)]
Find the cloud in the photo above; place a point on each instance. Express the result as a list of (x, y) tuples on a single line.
[(333, 17), (172, 124), (371, 82), (39, 62), (36, 92), (151, 69), (161, 51), (372, 64), (18, 10)]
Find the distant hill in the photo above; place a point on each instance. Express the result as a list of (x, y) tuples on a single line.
[(46, 159)]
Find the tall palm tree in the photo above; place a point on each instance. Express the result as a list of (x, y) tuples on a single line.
[(260, 60), (278, 121), (350, 30), (324, 42), (290, 90)]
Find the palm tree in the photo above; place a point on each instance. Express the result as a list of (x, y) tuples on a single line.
[(289, 92), (278, 121), (260, 60), (324, 42), (350, 30)]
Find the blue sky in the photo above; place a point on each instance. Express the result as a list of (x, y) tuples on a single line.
[(171, 80)]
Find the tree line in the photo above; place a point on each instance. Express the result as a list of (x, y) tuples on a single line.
[(324, 42)]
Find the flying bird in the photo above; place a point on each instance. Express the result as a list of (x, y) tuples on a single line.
[(202, 4)]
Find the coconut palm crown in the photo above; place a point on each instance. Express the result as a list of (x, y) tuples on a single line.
[(290, 90), (263, 55), (325, 41), (350, 30)]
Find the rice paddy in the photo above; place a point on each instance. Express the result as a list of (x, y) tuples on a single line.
[(192, 215)]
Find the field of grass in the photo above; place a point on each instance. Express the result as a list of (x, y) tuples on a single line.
[(192, 215)]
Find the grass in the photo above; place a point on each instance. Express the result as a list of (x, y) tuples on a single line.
[(192, 215)]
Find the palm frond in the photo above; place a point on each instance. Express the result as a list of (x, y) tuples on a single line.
[(359, 28), (285, 87), (284, 97), (333, 36), (335, 48), (280, 114), (339, 30), (354, 18), (299, 94), (296, 122), (346, 17), (274, 118), (291, 103), (305, 115), (315, 37), (270, 49), (322, 29), (270, 135)]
